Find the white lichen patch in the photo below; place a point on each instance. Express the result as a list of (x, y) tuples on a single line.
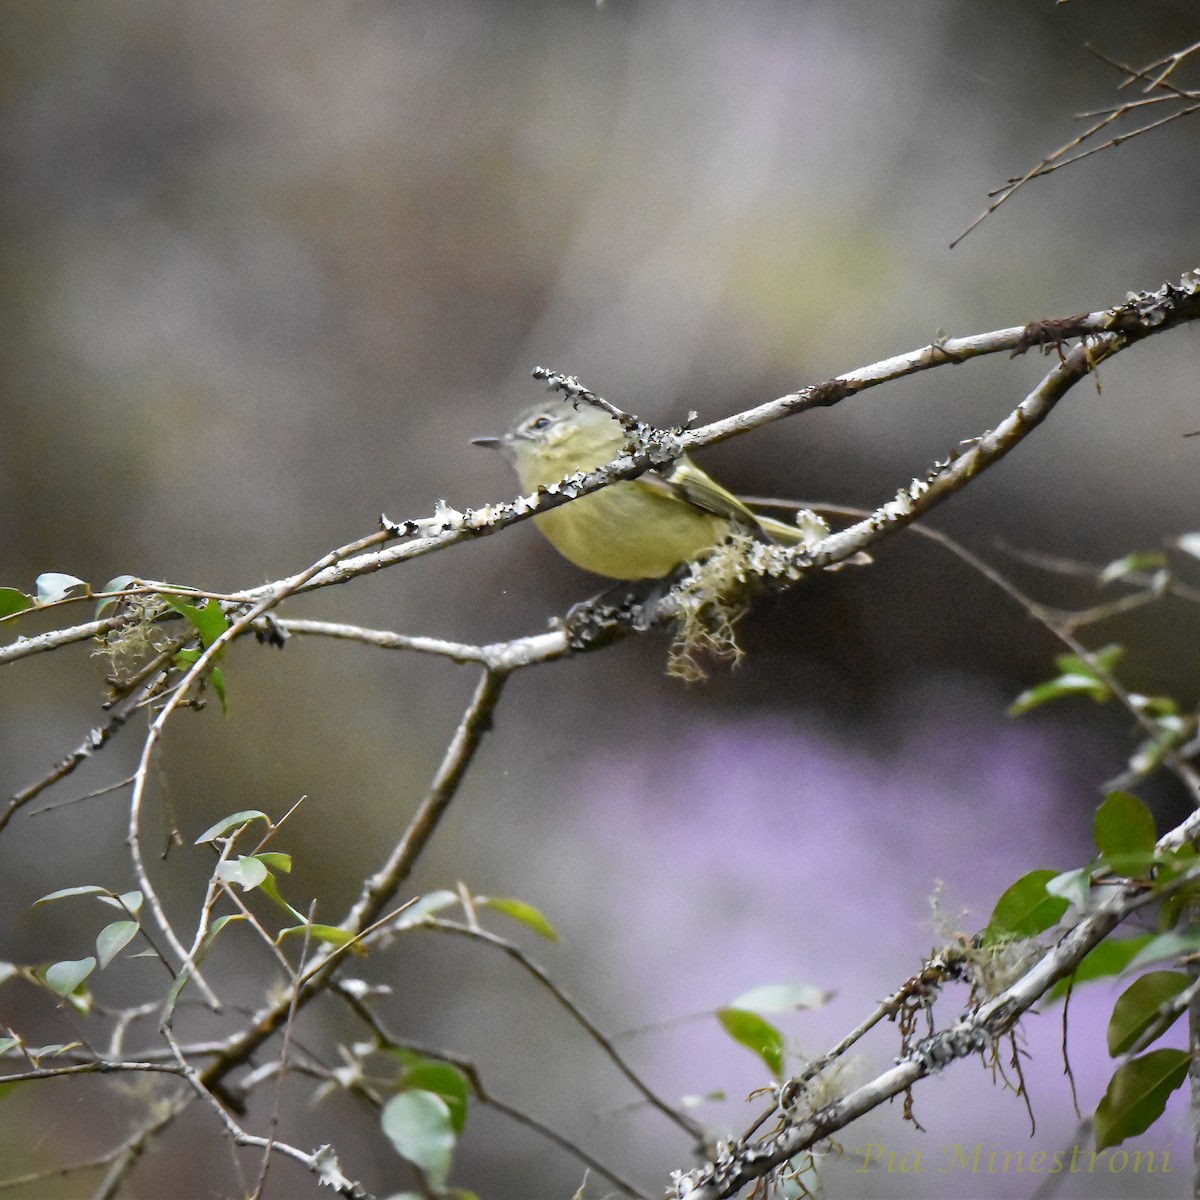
[(445, 519)]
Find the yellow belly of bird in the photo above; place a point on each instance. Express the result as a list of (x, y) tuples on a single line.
[(627, 532)]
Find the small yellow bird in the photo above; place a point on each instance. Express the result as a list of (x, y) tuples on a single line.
[(635, 528)]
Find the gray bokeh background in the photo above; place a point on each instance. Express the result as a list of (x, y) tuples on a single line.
[(267, 268)]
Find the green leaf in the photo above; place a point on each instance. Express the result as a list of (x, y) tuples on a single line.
[(119, 584), (210, 622), (64, 977), (1106, 658), (1074, 887), (426, 906), (246, 871), (445, 1080), (1166, 947), (321, 933), (54, 586), (520, 911), (13, 601), (1109, 958), (1174, 905), (1077, 676), (1137, 1094), (223, 826), (1138, 1008), (758, 1036), (130, 902), (184, 977), (112, 939), (1136, 865), (1123, 825), (216, 928), (172, 998), (271, 888), (418, 1125), (1171, 732), (206, 618), (276, 862), (1133, 564), (217, 678), (1025, 909), (1056, 689), (86, 889), (782, 997)]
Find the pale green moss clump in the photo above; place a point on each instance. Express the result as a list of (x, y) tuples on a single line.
[(710, 600)]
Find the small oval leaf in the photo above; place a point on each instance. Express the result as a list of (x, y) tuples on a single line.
[(1166, 947), (1138, 1008), (757, 1035), (418, 1125), (1025, 909), (443, 1080), (64, 977), (520, 911), (53, 585), (13, 601), (1137, 1094), (85, 889), (128, 902), (246, 872), (1123, 825), (426, 906), (112, 939), (223, 826), (321, 933), (1072, 886), (119, 584)]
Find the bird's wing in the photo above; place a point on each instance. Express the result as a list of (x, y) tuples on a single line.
[(684, 481)]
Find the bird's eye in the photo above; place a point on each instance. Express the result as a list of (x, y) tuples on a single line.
[(539, 423)]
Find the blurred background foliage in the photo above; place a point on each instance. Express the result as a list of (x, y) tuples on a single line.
[(267, 267)]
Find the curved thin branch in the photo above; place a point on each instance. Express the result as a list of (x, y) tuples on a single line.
[(580, 1017), (387, 1040), (322, 1163), (381, 887)]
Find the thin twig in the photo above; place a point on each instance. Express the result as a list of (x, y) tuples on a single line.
[(322, 1163), (190, 677), (1059, 158), (518, 955), (382, 886), (1061, 626), (95, 741), (387, 1040)]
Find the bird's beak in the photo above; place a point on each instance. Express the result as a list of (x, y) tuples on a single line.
[(493, 443)]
